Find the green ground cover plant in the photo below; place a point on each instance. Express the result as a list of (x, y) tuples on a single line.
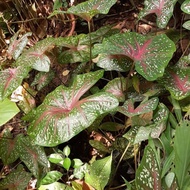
[(117, 74)]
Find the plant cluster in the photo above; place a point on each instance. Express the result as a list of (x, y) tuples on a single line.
[(141, 75)]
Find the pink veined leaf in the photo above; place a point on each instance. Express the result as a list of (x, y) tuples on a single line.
[(162, 8), (63, 114), (182, 84), (150, 56), (147, 106)]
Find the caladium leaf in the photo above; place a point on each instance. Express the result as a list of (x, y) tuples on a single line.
[(185, 7), (88, 9), (148, 173), (154, 130), (177, 81), (8, 110), (113, 62), (51, 177), (186, 25), (162, 8), (32, 155), (42, 79), (145, 107), (150, 55), (63, 115), (16, 180), (35, 56), (8, 148), (10, 79), (117, 87), (17, 45)]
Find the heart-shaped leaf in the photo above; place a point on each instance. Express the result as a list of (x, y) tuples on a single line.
[(17, 180), (177, 81), (117, 87), (88, 9), (8, 148), (185, 7), (186, 25), (63, 115), (99, 173), (32, 155), (10, 79), (35, 56), (8, 110), (148, 173), (162, 8), (145, 107), (17, 45), (150, 55), (42, 79)]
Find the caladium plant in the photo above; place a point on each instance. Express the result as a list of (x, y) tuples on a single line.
[(162, 8), (63, 114), (176, 79), (150, 54)]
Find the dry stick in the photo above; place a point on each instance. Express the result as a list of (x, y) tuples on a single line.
[(121, 158)]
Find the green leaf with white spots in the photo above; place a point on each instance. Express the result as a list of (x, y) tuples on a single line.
[(32, 155), (177, 79), (63, 114), (148, 173), (185, 7), (150, 54), (186, 25), (117, 87), (88, 9), (10, 79), (16, 180), (129, 110), (99, 173), (16, 46), (8, 110), (8, 148), (113, 62), (162, 8), (182, 155), (156, 128)]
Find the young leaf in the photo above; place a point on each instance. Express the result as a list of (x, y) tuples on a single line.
[(8, 148), (42, 79), (87, 10), (162, 8), (16, 46), (63, 115), (148, 173), (51, 177), (55, 158), (117, 87), (8, 110), (66, 151), (182, 155), (17, 180), (150, 55), (145, 107), (32, 155), (10, 79), (99, 173)]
